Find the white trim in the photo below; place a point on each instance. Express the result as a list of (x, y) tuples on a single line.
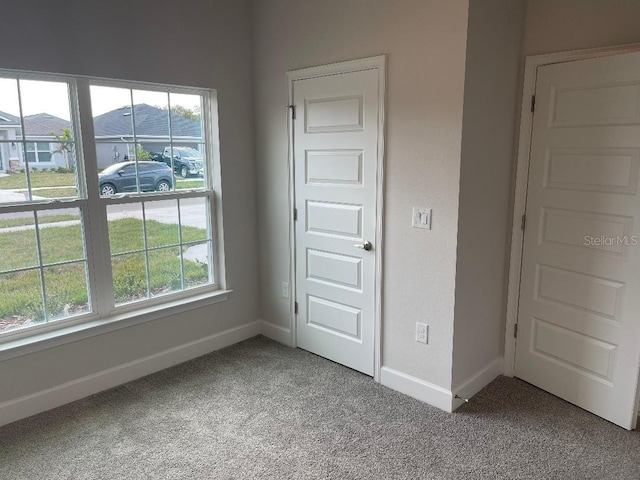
[(53, 397), (276, 332), (476, 382), (371, 63), (522, 176), (419, 389)]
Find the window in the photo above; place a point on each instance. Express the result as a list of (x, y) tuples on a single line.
[(38, 152), (144, 179)]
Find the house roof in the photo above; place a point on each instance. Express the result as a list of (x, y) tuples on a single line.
[(42, 124), (8, 119), (150, 120)]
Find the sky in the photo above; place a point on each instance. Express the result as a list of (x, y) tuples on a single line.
[(52, 98)]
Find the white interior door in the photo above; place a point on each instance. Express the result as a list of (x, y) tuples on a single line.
[(336, 155), (579, 310)]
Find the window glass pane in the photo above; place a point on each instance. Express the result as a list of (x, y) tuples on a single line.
[(110, 153), (50, 163), (186, 117), (161, 219), (66, 290), (193, 217), (9, 108), (189, 165), (153, 175), (117, 174), (21, 303), (196, 260), (13, 184), (18, 241), (125, 227), (111, 108), (48, 180), (61, 238), (151, 112), (164, 271), (45, 109), (129, 277)]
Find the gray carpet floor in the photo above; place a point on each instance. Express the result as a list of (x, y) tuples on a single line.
[(261, 410)]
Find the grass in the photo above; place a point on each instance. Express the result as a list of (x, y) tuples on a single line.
[(185, 184), (38, 179), (56, 192), (20, 293), (22, 221)]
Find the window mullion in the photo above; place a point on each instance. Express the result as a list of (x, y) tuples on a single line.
[(182, 281), (95, 221), (146, 248)]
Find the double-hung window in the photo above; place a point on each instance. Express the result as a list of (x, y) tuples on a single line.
[(127, 224), (38, 152)]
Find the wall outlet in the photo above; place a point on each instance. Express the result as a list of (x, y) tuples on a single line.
[(285, 289), (422, 332)]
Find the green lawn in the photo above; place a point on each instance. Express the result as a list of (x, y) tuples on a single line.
[(56, 192), (38, 179), (185, 184), (20, 293), (21, 221)]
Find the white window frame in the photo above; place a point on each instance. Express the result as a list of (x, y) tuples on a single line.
[(105, 316)]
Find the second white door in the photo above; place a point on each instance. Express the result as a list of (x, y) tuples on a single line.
[(335, 163), (579, 312)]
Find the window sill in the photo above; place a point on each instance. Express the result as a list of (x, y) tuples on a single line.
[(64, 335)]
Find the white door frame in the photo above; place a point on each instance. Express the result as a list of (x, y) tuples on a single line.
[(370, 63), (522, 180)]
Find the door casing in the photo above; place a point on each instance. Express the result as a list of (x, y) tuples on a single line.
[(522, 179), (371, 63)]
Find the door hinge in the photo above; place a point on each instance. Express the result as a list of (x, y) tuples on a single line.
[(515, 331), (533, 103), (295, 307), (293, 111), (523, 224), (295, 214)]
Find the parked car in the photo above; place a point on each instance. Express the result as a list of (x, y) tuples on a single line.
[(121, 177), (186, 160)]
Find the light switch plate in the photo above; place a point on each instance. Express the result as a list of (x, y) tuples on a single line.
[(421, 218)]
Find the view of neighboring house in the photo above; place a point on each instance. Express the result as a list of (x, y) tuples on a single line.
[(115, 137), (113, 131), (42, 147)]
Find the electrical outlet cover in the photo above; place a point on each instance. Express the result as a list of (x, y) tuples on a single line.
[(422, 333)]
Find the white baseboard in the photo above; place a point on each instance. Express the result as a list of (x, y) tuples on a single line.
[(38, 402), (275, 332), (476, 382), (419, 389)]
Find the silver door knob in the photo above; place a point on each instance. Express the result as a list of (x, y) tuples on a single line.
[(365, 246)]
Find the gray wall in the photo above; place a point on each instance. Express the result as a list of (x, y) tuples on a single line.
[(425, 42), (494, 40), (560, 25), (191, 42)]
